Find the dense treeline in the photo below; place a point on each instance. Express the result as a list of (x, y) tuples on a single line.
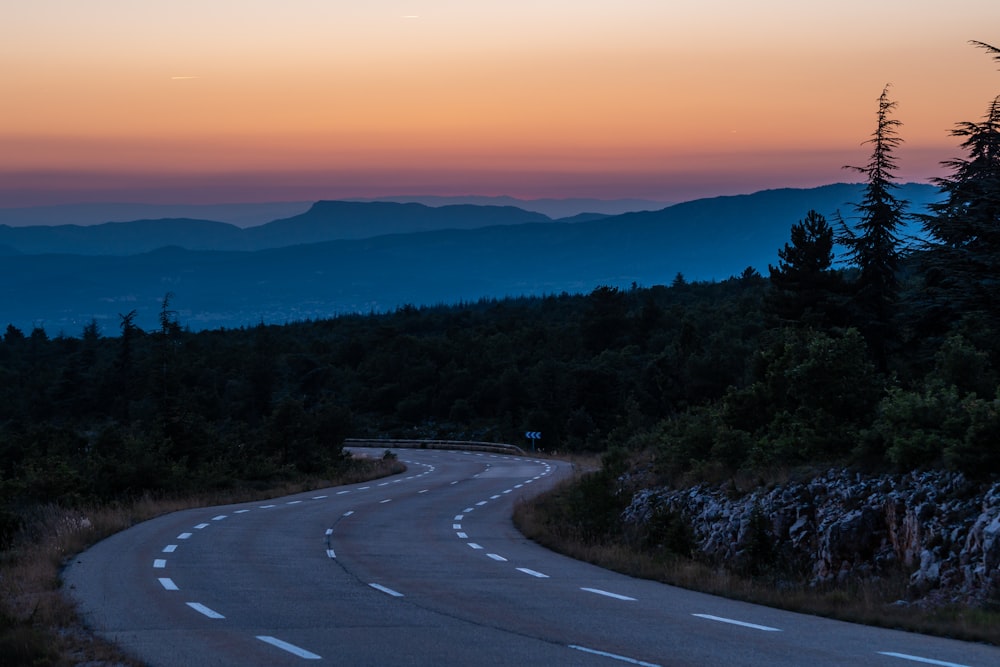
[(98, 417)]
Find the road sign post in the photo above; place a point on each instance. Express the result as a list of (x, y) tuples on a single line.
[(533, 436)]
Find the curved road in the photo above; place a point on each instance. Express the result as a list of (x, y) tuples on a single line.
[(426, 568)]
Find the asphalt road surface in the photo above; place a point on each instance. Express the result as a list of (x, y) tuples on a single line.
[(426, 568)]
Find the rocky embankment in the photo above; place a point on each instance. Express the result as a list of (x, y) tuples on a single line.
[(938, 528)]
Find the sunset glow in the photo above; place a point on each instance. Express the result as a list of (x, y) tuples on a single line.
[(308, 99)]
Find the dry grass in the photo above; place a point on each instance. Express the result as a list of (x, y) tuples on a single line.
[(39, 625), (872, 602)]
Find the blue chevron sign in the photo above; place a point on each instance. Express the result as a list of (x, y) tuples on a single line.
[(533, 435)]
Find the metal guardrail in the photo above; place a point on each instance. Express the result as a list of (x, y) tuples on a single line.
[(496, 447)]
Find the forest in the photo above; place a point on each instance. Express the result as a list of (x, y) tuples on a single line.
[(860, 348)]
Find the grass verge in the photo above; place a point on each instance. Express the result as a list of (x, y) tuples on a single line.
[(39, 625), (544, 519)]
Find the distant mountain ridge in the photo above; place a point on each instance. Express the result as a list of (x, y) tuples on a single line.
[(709, 239), (324, 221), (241, 215)]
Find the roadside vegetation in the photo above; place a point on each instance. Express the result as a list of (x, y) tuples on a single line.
[(884, 360)]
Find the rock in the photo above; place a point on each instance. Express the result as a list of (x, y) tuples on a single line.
[(935, 526)]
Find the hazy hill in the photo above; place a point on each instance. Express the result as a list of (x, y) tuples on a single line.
[(335, 220), (241, 215), (554, 208), (705, 240), (324, 221)]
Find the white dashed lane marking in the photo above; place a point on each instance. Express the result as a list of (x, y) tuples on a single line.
[(386, 590), (731, 621), (291, 648), (202, 609), (533, 573), (168, 584), (616, 596), (924, 661)]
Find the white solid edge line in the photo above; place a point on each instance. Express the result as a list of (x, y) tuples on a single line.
[(731, 621), (384, 589), (917, 658), (168, 584), (291, 648), (616, 596), (614, 656), (202, 609)]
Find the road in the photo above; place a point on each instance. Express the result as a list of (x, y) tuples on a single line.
[(426, 568)]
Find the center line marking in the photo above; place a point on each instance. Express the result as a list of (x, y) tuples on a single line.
[(329, 531), (168, 584), (533, 573), (291, 648), (294, 502), (383, 502), (202, 609), (159, 563), (497, 557), (608, 594), (318, 497), (494, 497), (201, 526), (170, 548), (469, 509), (456, 526), (330, 553), (389, 591), (740, 623), (183, 536), (474, 545), (916, 658), (462, 536), (219, 518), (241, 511), (267, 507), (424, 491), (340, 493), (459, 517), (348, 512), (481, 502), (614, 656)]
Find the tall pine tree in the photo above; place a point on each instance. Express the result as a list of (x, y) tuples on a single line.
[(963, 261), (805, 290), (874, 245)]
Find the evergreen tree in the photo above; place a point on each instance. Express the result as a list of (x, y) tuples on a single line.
[(964, 228), (804, 288), (874, 246)]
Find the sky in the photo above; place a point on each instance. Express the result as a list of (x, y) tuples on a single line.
[(210, 101)]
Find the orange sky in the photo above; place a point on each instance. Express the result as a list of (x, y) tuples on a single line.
[(227, 100)]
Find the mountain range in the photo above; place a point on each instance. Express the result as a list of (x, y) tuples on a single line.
[(343, 257)]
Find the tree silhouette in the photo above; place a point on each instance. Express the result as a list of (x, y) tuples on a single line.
[(805, 289), (964, 228), (874, 246)]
